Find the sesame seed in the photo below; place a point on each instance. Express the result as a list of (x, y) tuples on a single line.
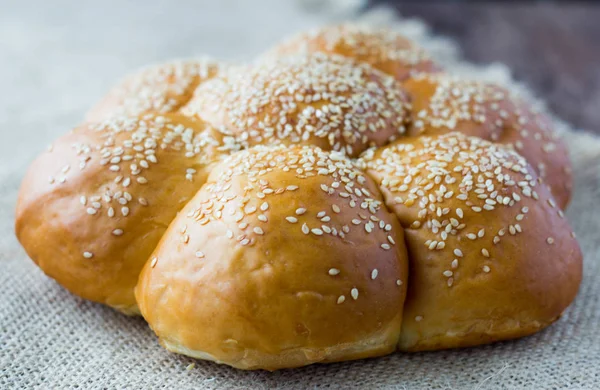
[(317, 231), (125, 211), (291, 219), (550, 240), (117, 232), (447, 273), (300, 211), (458, 253), (91, 211), (419, 318), (153, 262), (264, 206), (374, 274), (334, 271), (88, 255), (486, 269), (341, 299), (455, 263), (386, 246), (398, 282), (245, 241), (354, 293), (335, 208), (199, 255), (305, 228), (485, 252), (258, 230), (83, 200)]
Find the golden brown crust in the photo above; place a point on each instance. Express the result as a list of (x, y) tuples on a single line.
[(324, 100), (161, 88), (491, 255), (286, 257), (92, 209), (292, 251), (382, 48), (443, 103)]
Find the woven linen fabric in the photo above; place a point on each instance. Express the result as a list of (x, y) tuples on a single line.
[(58, 57)]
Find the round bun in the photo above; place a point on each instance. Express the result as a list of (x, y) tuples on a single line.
[(486, 241), (337, 199), (328, 101), (444, 103), (286, 257), (382, 48), (92, 208), (161, 88)]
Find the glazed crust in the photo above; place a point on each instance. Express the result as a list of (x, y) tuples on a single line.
[(93, 207), (161, 89), (442, 103), (323, 100), (337, 199), (491, 255), (279, 267), (382, 48)]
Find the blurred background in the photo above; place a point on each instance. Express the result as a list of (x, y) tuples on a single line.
[(58, 57), (554, 46)]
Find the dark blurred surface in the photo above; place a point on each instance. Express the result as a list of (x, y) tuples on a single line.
[(553, 47)]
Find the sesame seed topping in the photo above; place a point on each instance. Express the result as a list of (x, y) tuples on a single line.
[(354, 293), (300, 211), (305, 228), (419, 318), (88, 255), (374, 274), (153, 262), (291, 219), (317, 231), (398, 282), (117, 232), (550, 240), (334, 271), (341, 299), (199, 254), (258, 230), (486, 269)]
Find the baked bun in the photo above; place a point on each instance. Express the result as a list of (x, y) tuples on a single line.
[(444, 103), (273, 215), (382, 48), (161, 88), (485, 238), (324, 100), (286, 257), (93, 207)]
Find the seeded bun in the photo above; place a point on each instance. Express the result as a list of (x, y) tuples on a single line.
[(92, 208), (161, 89), (382, 48), (492, 256), (444, 103), (340, 198), (286, 257), (323, 100)]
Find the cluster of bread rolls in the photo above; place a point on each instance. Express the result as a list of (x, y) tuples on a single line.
[(341, 197)]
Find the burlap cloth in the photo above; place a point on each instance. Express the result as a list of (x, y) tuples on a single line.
[(59, 57)]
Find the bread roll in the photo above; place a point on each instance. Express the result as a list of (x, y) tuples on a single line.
[(491, 255), (443, 103), (382, 48), (93, 207), (161, 88), (286, 257), (328, 101), (274, 215)]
